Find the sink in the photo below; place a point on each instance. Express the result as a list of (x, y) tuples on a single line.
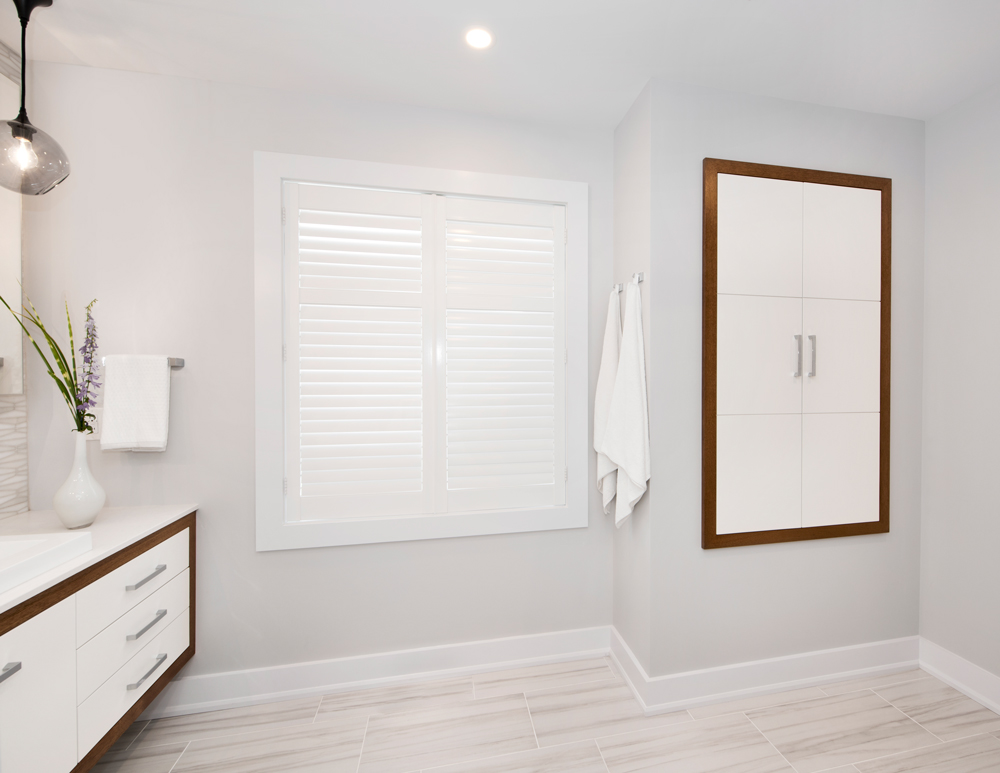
[(24, 556)]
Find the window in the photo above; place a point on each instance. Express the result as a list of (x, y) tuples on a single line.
[(424, 372)]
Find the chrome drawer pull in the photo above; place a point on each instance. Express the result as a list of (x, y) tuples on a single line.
[(160, 660), (812, 371), (160, 614), (798, 357), (160, 568), (9, 670)]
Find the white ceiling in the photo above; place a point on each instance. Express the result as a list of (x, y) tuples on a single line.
[(565, 61)]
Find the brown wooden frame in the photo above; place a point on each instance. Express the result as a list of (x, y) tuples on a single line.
[(712, 168), (63, 590)]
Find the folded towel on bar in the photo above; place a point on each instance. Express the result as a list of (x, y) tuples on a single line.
[(136, 402), (607, 471), (626, 439)]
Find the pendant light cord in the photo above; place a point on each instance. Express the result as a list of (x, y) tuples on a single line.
[(23, 115)]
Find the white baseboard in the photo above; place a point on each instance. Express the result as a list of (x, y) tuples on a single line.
[(656, 695), (195, 694), (966, 677), (675, 692)]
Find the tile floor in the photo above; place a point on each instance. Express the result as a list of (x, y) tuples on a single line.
[(577, 717)]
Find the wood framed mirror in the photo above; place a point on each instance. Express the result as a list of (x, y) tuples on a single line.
[(796, 362)]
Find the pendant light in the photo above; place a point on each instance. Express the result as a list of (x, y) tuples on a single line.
[(31, 162)]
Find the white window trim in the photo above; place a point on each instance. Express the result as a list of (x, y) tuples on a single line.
[(273, 532)]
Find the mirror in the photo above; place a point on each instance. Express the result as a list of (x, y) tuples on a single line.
[(11, 374), (796, 357)]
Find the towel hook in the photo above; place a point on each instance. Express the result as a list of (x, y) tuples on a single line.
[(639, 277)]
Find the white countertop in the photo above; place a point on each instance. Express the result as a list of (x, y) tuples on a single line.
[(114, 529)]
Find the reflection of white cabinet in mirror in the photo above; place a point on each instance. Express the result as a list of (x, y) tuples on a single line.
[(760, 236), (11, 381), (759, 473), (841, 242), (840, 468), (842, 338), (758, 354)]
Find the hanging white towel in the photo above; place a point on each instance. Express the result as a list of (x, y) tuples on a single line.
[(607, 471), (136, 403), (626, 439)]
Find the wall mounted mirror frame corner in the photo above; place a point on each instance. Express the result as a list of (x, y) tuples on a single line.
[(796, 357)]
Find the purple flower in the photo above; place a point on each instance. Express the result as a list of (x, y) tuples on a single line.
[(88, 384)]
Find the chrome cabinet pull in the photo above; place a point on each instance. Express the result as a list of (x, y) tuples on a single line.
[(160, 614), (798, 349), (160, 568), (812, 370), (9, 670), (160, 660)]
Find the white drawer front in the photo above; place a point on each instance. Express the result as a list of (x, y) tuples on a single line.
[(112, 648), (105, 600), (108, 704)]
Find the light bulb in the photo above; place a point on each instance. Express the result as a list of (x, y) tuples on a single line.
[(22, 155), (478, 38)]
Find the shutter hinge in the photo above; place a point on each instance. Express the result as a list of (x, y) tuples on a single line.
[(565, 236), (284, 353), (284, 485), (282, 215), (566, 356), (566, 474)]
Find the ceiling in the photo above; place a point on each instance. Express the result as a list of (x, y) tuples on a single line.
[(558, 61)]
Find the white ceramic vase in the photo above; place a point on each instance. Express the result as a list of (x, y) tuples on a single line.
[(80, 498)]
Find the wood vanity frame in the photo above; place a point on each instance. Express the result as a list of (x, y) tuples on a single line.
[(63, 590), (712, 168)]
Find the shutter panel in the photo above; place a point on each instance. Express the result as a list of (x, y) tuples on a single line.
[(504, 345), (355, 333)]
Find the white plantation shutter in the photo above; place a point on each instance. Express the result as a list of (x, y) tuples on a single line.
[(425, 354), (504, 328)]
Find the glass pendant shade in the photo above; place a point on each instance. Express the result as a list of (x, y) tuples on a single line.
[(31, 162)]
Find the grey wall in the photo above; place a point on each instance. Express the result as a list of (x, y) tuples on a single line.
[(156, 222), (960, 545), (710, 608), (633, 188)]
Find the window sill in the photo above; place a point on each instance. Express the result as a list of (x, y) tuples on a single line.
[(272, 535)]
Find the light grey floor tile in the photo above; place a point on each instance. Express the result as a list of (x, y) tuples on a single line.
[(591, 710), (542, 677), (193, 727), (874, 682), (392, 700), (443, 735), (728, 743), (979, 754), (941, 709), (839, 730), (757, 702), (149, 759), (129, 735), (583, 757), (330, 747)]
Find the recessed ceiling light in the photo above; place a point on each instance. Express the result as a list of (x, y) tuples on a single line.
[(479, 38)]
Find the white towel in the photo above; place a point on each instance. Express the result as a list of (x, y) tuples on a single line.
[(607, 471), (626, 439), (136, 403)]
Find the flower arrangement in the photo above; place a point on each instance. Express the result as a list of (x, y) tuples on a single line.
[(78, 388)]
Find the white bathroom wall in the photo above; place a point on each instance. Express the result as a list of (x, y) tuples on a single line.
[(633, 169), (960, 566), (712, 608), (156, 221)]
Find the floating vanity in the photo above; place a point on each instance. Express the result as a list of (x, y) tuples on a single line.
[(104, 620)]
